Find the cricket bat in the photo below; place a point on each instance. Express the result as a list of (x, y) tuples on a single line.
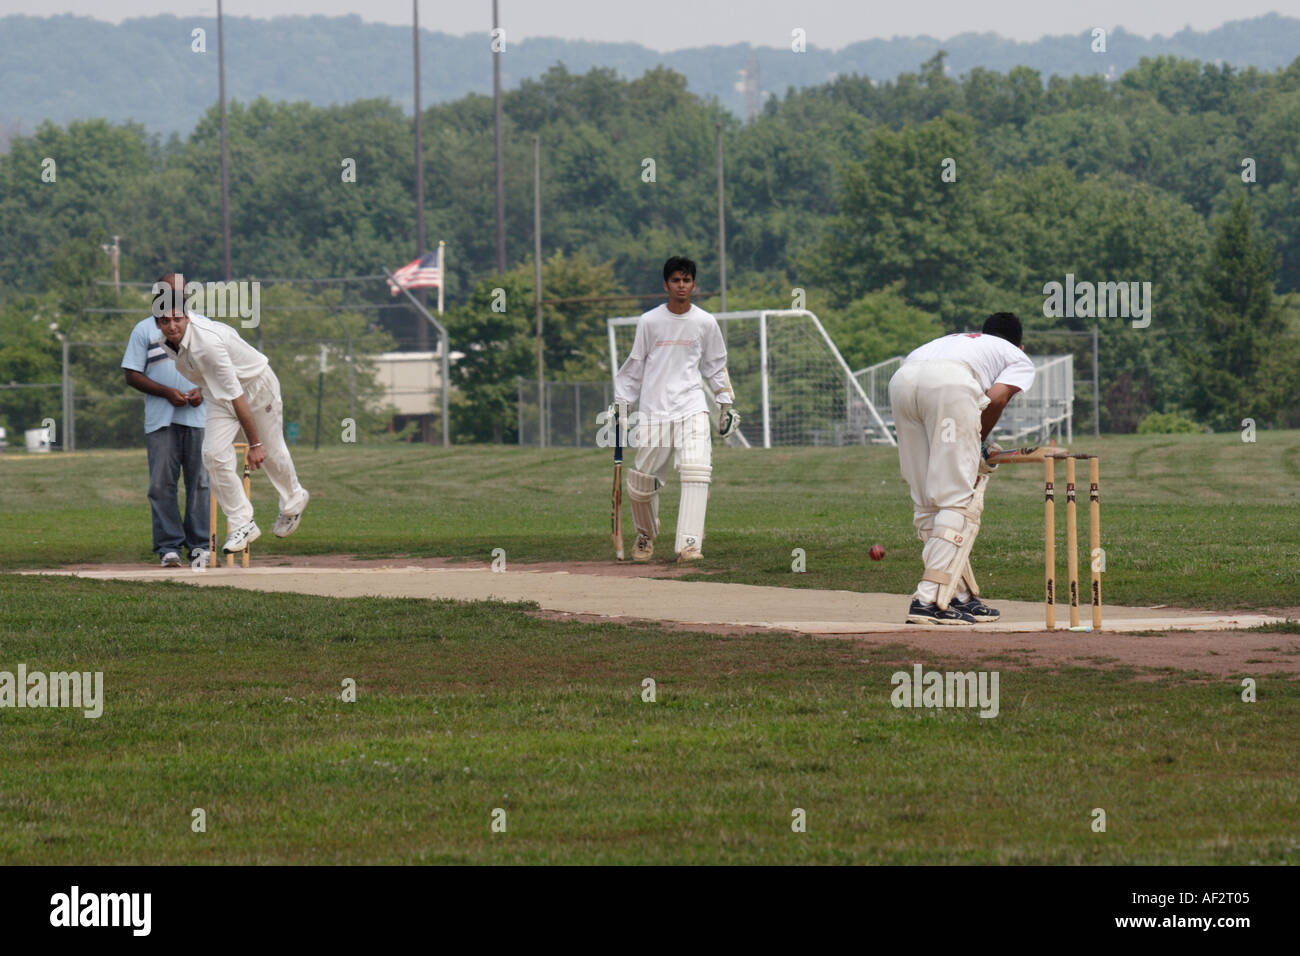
[(616, 497), (1031, 453)]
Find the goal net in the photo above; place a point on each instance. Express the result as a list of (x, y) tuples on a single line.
[(792, 385)]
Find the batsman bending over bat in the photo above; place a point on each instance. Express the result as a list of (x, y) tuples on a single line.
[(947, 396), (675, 344)]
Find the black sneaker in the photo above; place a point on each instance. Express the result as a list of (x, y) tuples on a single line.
[(920, 613), (976, 609)]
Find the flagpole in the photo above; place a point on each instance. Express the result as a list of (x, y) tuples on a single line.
[(444, 343), (444, 346)]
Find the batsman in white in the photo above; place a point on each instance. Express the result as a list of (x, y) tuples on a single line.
[(241, 392), (947, 396), (678, 349)]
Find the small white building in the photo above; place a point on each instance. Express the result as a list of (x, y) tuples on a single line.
[(412, 383)]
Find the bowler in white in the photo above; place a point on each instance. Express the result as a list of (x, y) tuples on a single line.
[(242, 393)]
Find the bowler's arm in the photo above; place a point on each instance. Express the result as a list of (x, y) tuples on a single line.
[(256, 453)]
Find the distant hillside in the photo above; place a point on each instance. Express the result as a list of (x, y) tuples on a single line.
[(67, 67)]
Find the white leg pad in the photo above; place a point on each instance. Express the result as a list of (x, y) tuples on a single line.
[(923, 521), (695, 481), (643, 494), (955, 532)]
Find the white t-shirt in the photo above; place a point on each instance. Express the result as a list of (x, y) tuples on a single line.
[(670, 354), (992, 359), (213, 355)]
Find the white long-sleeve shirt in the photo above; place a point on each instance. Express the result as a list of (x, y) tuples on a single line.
[(670, 354), (213, 356)]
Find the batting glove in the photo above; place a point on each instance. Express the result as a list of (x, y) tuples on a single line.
[(728, 421)]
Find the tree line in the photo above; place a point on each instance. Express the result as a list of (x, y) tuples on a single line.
[(900, 210)]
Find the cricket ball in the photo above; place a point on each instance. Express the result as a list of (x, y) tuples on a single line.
[(877, 553)]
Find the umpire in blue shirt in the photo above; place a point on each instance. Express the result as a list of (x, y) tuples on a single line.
[(174, 417)]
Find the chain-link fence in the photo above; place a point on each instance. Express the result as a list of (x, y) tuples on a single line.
[(571, 410), (339, 372)]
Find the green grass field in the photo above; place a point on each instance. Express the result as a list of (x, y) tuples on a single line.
[(227, 700)]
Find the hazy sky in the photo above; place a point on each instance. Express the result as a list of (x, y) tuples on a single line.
[(670, 26)]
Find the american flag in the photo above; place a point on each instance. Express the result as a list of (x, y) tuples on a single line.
[(420, 273)]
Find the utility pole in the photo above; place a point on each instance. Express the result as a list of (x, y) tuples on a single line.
[(722, 227), (501, 171), (537, 266), (320, 394), (1096, 386), (225, 147)]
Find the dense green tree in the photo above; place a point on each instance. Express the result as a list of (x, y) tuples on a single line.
[(879, 325), (1244, 364), (835, 189), (495, 335), (899, 221)]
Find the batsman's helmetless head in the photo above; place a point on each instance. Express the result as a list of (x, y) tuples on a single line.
[(679, 281), (679, 264), (1005, 325)]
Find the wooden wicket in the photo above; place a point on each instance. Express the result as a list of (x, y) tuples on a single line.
[(1072, 538), (1049, 545), (1048, 454), (1071, 542), (1094, 536)]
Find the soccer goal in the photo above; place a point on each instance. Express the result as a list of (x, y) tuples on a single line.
[(792, 385)]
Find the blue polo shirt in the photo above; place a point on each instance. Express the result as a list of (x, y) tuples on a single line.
[(144, 353)]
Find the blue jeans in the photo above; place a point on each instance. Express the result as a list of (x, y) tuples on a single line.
[(171, 450)]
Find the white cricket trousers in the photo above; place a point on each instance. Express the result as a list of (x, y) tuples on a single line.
[(224, 466), (687, 446), (936, 406)]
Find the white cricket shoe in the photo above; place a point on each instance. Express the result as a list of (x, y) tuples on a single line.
[(286, 525), (687, 555), (241, 538), (644, 548), (171, 560)]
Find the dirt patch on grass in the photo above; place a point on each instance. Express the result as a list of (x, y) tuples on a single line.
[(657, 568), (1147, 641), (1220, 654)]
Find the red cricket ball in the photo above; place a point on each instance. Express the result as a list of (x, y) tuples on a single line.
[(877, 553)]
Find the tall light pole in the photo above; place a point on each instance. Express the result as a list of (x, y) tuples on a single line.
[(225, 149), (501, 171), (722, 228), (537, 267)]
